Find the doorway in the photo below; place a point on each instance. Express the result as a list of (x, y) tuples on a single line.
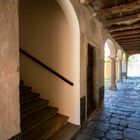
[(91, 104)]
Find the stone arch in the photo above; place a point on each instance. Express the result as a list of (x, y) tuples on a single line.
[(73, 22), (109, 66), (119, 54), (112, 48), (124, 56)]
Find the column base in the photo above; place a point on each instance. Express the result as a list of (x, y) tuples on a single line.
[(112, 88), (119, 81), (125, 77)]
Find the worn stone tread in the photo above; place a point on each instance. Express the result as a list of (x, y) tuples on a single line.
[(67, 132), (32, 107), (38, 117), (26, 98), (47, 128)]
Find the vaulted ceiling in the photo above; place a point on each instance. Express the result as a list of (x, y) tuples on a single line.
[(122, 19)]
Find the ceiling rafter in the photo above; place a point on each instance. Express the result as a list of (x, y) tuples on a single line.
[(122, 20), (123, 27), (130, 39), (127, 36), (120, 8), (127, 32), (130, 44)]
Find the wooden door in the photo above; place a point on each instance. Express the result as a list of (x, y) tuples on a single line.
[(90, 84)]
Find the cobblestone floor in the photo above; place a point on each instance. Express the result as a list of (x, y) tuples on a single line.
[(119, 118)]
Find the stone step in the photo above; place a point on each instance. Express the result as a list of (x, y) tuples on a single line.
[(67, 132), (34, 106), (26, 98), (25, 89), (21, 82), (30, 122), (46, 129)]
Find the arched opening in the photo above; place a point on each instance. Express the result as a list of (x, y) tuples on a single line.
[(134, 65), (49, 32), (106, 65), (109, 55)]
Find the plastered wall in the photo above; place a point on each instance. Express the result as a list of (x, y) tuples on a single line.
[(9, 69), (46, 35)]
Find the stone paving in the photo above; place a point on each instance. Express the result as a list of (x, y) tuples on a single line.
[(119, 118)]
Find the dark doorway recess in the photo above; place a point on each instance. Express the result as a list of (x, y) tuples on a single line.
[(91, 105)]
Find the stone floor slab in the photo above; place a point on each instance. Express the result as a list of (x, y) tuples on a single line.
[(131, 134), (119, 117)]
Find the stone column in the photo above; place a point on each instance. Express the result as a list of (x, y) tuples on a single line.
[(113, 74), (126, 61), (120, 71)]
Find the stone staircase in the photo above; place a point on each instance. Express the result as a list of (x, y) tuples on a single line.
[(39, 121)]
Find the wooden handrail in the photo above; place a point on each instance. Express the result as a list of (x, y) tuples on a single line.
[(47, 67)]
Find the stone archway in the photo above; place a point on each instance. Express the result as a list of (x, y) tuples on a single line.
[(112, 49), (73, 22), (112, 59)]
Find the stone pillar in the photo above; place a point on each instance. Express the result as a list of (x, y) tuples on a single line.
[(113, 74), (126, 61), (120, 71)]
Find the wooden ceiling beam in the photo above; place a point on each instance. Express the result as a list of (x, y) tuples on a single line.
[(138, 41), (122, 20), (133, 46), (123, 27), (130, 39), (132, 6), (127, 36), (130, 44), (133, 52), (127, 32), (130, 47)]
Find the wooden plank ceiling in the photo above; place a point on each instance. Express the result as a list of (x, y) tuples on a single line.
[(122, 19)]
